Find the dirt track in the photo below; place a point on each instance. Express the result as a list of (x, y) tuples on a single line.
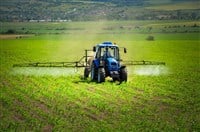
[(14, 36)]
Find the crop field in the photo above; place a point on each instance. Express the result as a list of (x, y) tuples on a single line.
[(155, 98)]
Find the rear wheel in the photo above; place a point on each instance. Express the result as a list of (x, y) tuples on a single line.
[(123, 75), (93, 72), (86, 72), (101, 75)]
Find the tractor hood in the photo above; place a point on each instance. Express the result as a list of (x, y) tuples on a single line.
[(113, 65)]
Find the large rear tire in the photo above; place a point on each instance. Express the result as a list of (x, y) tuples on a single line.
[(93, 72), (123, 75), (86, 72), (101, 75)]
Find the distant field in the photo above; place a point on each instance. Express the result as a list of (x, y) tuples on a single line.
[(101, 27), (177, 6), (155, 98), (159, 2)]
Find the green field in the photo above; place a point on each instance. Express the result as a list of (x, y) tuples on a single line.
[(155, 98)]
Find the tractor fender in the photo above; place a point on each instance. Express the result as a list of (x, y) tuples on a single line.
[(122, 67)]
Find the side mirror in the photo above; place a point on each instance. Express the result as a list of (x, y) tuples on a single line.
[(125, 50), (94, 49)]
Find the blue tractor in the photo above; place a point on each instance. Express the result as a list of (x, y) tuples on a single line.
[(106, 62)]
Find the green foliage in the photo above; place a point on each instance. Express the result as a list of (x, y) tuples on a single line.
[(150, 38), (10, 31), (87, 10), (168, 102)]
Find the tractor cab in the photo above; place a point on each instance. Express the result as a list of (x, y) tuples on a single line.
[(107, 63), (107, 51)]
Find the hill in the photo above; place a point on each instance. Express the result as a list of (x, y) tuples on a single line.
[(92, 10)]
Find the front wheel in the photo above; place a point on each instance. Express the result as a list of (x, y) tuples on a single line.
[(123, 75), (101, 75)]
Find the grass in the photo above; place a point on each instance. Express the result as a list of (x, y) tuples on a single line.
[(168, 102)]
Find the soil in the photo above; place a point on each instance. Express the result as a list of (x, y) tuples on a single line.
[(14, 36)]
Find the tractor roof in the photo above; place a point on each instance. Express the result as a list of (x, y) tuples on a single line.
[(106, 44)]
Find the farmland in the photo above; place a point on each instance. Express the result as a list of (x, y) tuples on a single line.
[(58, 99)]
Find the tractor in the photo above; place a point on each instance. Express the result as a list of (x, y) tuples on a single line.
[(106, 63)]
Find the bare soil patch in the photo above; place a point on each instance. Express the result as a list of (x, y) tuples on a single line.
[(15, 36)]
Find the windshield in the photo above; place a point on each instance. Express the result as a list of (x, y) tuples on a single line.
[(108, 52)]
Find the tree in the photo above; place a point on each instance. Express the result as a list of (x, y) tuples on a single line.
[(150, 38)]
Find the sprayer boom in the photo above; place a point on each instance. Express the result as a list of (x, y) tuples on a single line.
[(80, 64), (51, 64), (143, 62)]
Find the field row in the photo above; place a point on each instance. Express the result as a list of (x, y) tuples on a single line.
[(155, 98), (60, 103)]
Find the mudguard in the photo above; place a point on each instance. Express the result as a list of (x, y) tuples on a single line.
[(122, 66)]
